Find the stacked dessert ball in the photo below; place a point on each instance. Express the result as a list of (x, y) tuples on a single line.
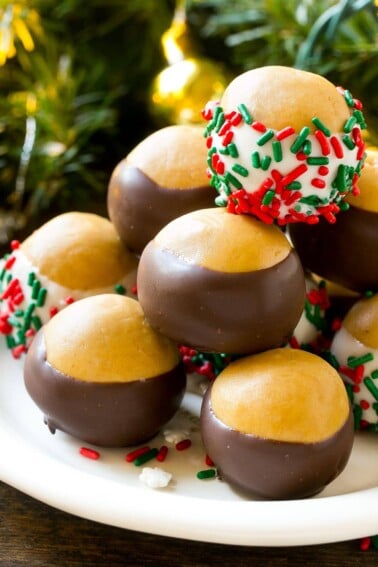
[(277, 421), (99, 372), (217, 281), (162, 178), (72, 256)]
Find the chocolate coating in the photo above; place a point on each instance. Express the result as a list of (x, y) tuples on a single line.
[(105, 414), (274, 469), (344, 252), (139, 208), (238, 313)]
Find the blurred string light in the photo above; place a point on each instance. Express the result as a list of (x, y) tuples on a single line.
[(18, 23)]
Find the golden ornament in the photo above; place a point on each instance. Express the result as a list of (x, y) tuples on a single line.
[(181, 90)]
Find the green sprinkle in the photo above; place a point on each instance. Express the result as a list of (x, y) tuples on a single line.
[(313, 201), (348, 98), (218, 110), (344, 206), (348, 126), (19, 313), (2, 274), (371, 387), (151, 454), (21, 337), (220, 121), (341, 178), (268, 197), (119, 288), (41, 298), (256, 161), (360, 118), (31, 278), (357, 414), (268, 135), (220, 201), (319, 124), (225, 151), (354, 361), (36, 322), (240, 170), (277, 150), (294, 186), (207, 473), (229, 178), (307, 147), (247, 116), (374, 374), (35, 289), (10, 342), (300, 139), (265, 162), (233, 150), (348, 142), (317, 160)]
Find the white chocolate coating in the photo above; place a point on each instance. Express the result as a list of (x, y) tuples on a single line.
[(344, 345)]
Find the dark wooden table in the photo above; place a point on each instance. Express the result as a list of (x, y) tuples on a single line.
[(35, 535)]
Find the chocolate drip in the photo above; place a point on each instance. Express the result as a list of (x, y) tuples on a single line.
[(110, 414), (238, 313), (274, 469), (139, 208)]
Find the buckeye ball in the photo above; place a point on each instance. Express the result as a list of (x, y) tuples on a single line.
[(345, 252), (221, 283), (100, 373), (162, 178), (278, 424)]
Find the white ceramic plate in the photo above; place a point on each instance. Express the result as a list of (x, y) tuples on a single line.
[(51, 469)]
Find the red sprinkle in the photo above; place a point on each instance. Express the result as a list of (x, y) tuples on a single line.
[(228, 138), (364, 404), (323, 170), (15, 244), (337, 147), (209, 461), (365, 543), (259, 126), (89, 453), (163, 451), (293, 342), (9, 263), (184, 444), (294, 173), (53, 311), (301, 156), (18, 350), (285, 132), (318, 183), (323, 142), (69, 299), (130, 457)]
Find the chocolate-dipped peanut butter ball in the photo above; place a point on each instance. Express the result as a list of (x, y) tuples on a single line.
[(162, 178), (72, 256), (284, 145), (221, 283), (100, 373), (345, 253), (278, 424), (355, 350)]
